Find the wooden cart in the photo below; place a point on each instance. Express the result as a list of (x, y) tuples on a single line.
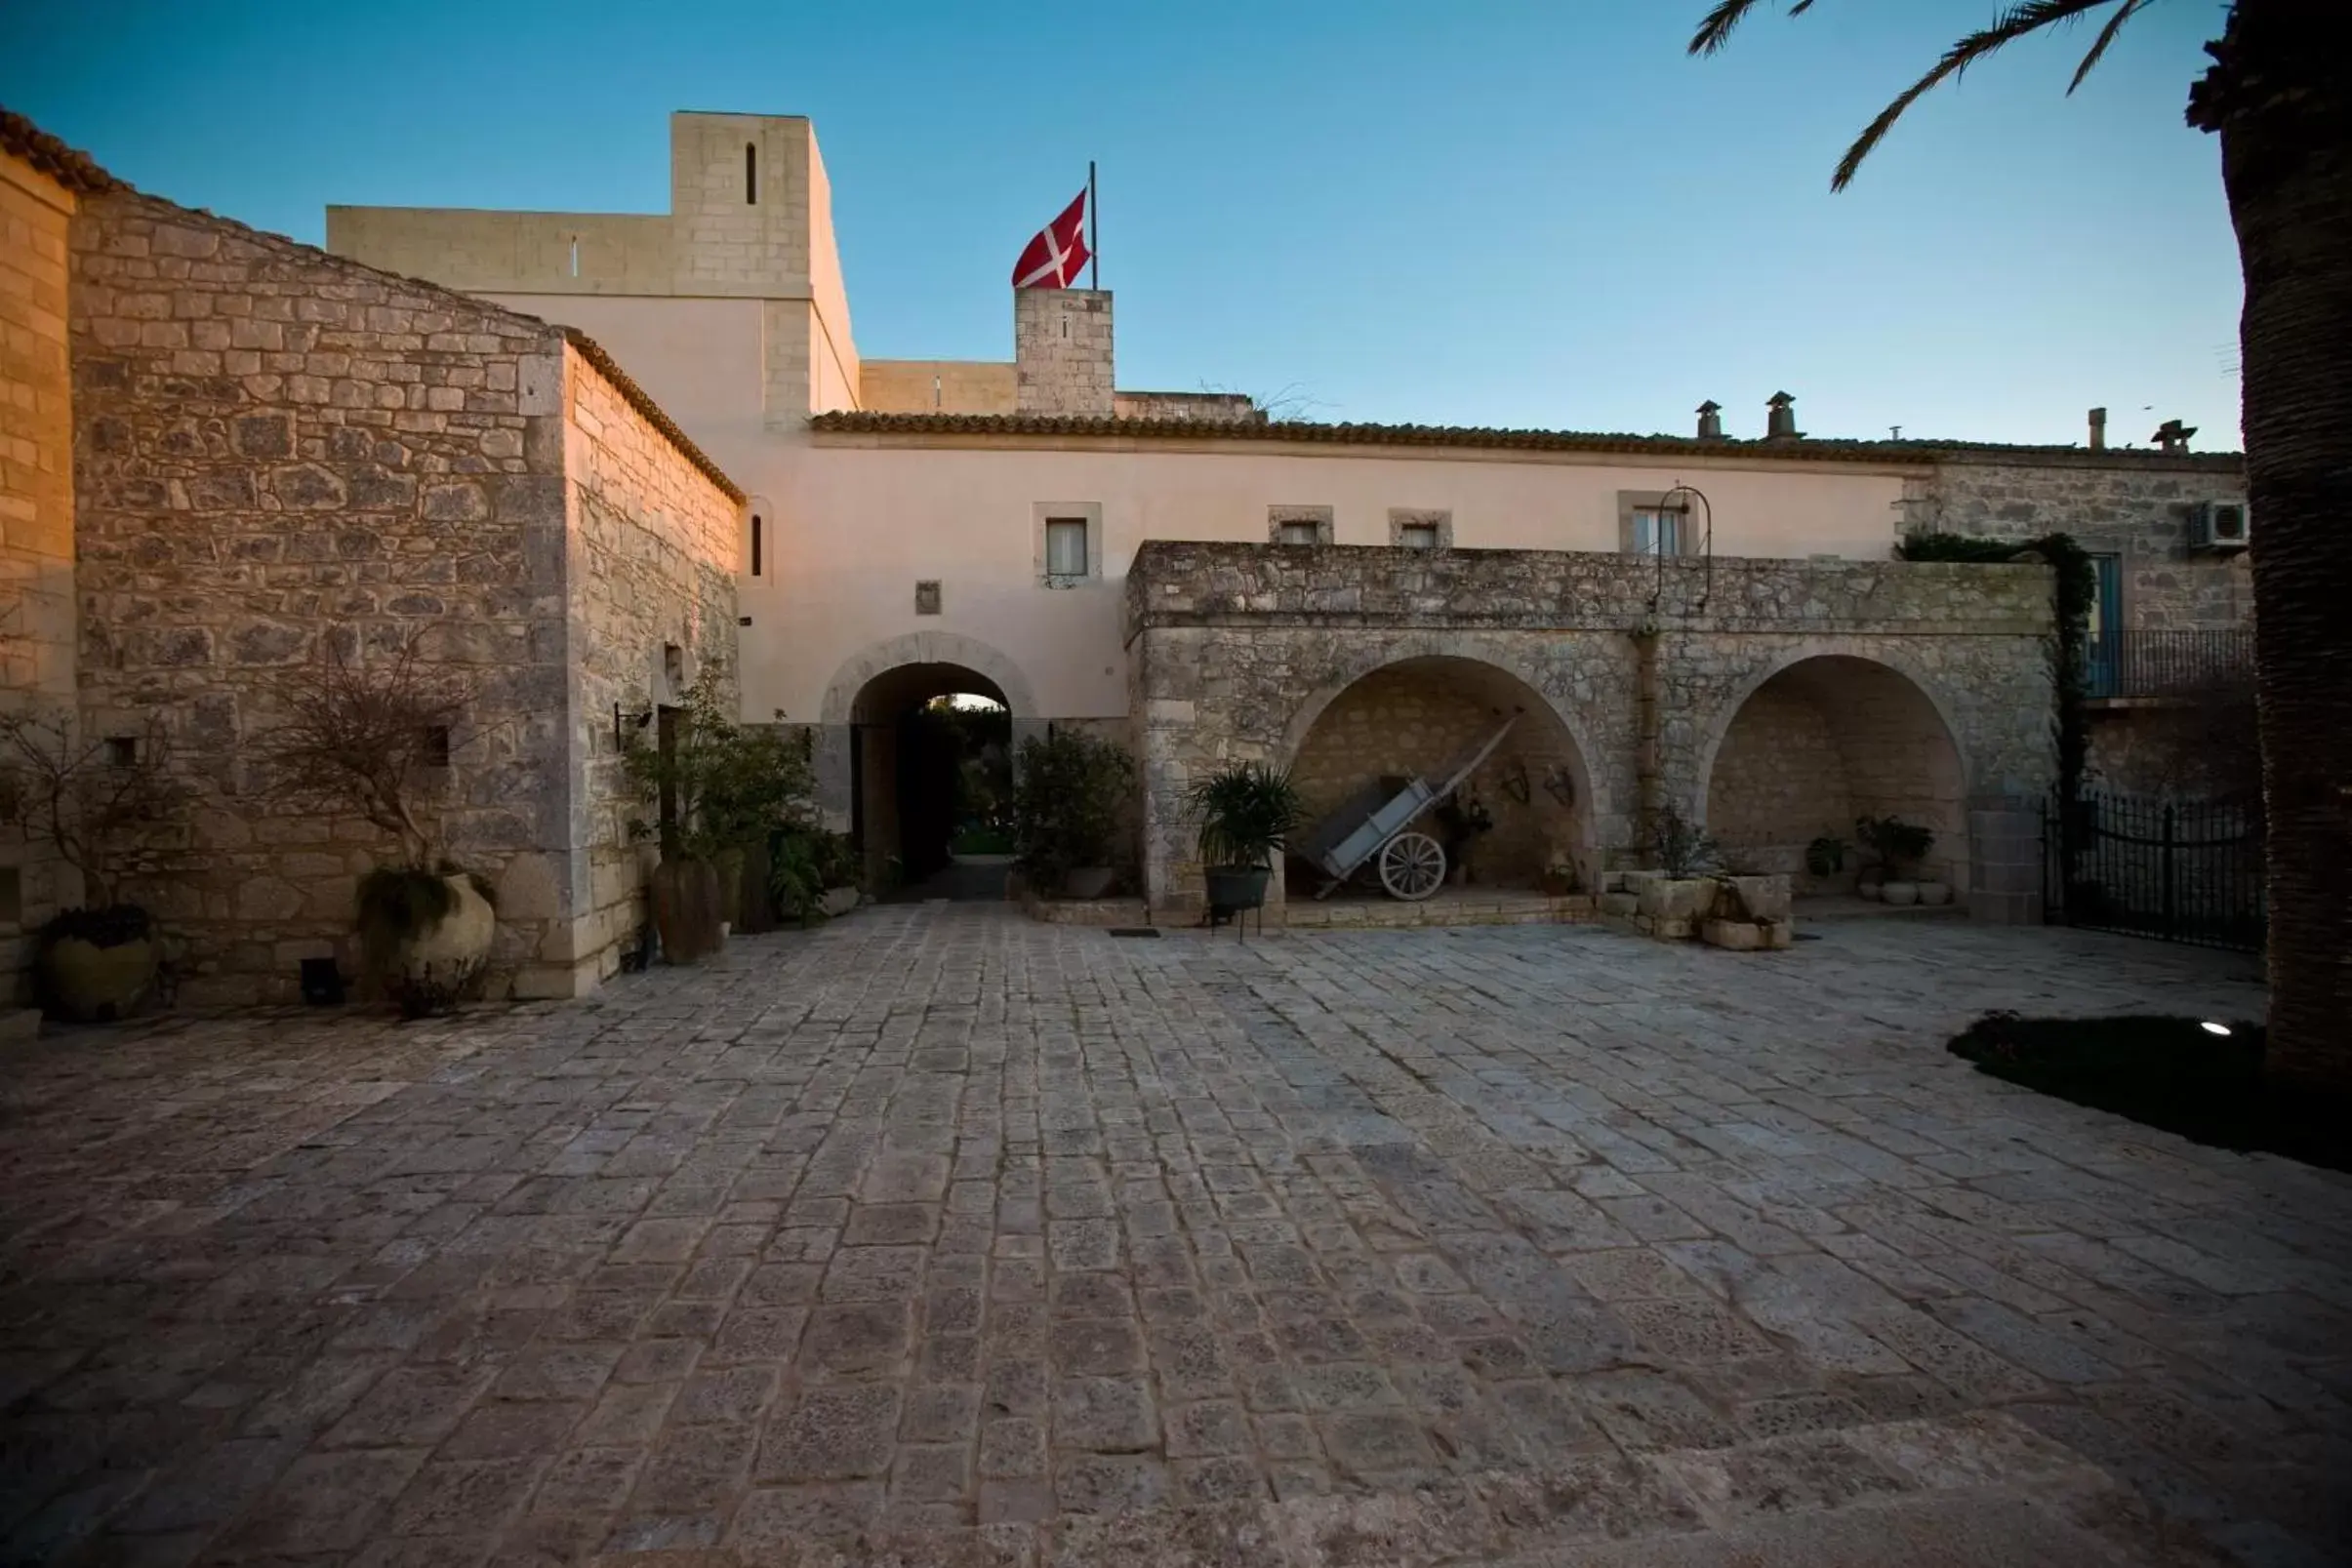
[(1379, 823)]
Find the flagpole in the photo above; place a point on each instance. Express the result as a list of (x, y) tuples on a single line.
[(1094, 254)]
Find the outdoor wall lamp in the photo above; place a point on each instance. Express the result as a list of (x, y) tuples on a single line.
[(634, 721)]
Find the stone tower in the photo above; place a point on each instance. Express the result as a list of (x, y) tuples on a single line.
[(1062, 351)]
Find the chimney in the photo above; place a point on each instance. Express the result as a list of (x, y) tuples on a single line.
[(1711, 420), (2098, 429), (2173, 436), (1780, 418)]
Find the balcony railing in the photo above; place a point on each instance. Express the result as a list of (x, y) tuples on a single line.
[(2166, 663)]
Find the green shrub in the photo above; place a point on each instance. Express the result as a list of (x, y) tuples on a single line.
[(1069, 793), (1898, 845)]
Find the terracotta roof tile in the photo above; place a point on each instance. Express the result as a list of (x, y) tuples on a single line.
[(1807, 449), (20, 139)]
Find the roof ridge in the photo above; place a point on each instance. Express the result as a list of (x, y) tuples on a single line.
[(1487, 437)]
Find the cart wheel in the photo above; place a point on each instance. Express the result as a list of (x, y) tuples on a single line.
[(1412, 866)]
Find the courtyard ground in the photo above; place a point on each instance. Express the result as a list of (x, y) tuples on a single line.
[(937, 1236)]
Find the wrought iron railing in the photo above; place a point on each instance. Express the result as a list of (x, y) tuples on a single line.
[(2183, 871), (2166, 663)]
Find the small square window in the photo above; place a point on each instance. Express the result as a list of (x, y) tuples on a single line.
[(1417, 536), (436, 747), (927, 598), (1298, 525), (1065, 547), (1657, 531), (122, 752)]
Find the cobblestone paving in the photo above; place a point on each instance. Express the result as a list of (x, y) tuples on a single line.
[(940, 1236)]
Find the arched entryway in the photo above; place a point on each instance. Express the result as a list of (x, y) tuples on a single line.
[(1820, 742), (930, 772), (1409, 719)]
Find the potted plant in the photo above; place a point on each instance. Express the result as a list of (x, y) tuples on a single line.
[(1681, 891), (99, 805), (1825, 857), (1247, 813), (372, 738), (1069, 794), (812, 874), (1898, 846), (722, 790)]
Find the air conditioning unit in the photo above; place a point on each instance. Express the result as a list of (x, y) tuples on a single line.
[(2219, 525)]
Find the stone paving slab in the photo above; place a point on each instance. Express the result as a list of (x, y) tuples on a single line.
[(940, 1236)]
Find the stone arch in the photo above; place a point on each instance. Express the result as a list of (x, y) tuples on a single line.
[(1824, 732), (889, 787), (1591, 785), (1417, 703), (937, 648)]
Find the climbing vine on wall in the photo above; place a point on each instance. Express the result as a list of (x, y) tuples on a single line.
[(2078, 589)]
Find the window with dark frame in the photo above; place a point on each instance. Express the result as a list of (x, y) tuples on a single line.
[(751, 174), (436, 747), (122, 750)]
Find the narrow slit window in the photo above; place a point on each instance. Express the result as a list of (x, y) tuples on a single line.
[(436, 746), (751, 174), (575, 256), (756, 543)]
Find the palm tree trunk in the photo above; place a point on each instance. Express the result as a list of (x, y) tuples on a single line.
[(2289, 175)]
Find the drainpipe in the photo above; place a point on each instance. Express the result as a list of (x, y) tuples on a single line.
[(1650, 792)]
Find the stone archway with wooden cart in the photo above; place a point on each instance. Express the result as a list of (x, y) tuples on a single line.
[(1363, 669)]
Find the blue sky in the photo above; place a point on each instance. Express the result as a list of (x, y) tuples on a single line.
[(1527, 215)]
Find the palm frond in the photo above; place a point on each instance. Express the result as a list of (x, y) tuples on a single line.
[(1714, 28), (2028, 17), (2098, 46)]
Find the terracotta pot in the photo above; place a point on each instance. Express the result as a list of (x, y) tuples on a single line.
[(1089, 881), (687, 911), (438, 964), (92, 984)]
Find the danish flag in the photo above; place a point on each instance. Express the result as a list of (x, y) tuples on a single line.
[(1053, 259)]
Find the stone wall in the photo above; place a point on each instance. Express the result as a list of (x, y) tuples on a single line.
[(652, 557), (276, 448), (36, 521), (1238, 650), (1190, 408), (1062, 351), (2134, 506), (936, 386)]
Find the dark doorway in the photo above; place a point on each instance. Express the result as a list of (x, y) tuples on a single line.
[(931, 776)]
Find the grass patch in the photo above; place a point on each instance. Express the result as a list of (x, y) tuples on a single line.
[(2167, 1072), (982, 841)]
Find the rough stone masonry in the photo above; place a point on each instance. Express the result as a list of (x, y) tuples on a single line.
[(277, 446)]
